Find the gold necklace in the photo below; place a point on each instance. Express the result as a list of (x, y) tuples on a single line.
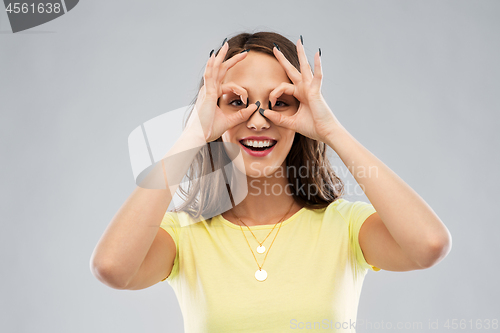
[(261, 248), (261, 274)]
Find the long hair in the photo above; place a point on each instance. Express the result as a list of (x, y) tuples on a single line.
[(203, 198)]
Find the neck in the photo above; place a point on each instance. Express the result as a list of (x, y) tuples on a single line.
[(267, 202)]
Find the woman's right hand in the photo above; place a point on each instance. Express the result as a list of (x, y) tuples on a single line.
[(213, 121)]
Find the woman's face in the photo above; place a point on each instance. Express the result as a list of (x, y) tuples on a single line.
[(259, 74)]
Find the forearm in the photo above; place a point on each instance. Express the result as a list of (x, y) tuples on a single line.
[(129, 236), (409, 219)]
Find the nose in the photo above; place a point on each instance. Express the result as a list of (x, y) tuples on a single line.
[(257, 120)]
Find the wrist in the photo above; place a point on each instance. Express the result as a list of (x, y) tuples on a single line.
[(190, 138), (194, 134), (337, 136)]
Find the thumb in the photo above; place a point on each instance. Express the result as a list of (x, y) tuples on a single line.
[(243, 114), (277, 118)]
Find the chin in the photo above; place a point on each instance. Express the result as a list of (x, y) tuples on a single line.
[(260, 169)]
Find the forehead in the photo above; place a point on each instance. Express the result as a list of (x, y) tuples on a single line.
[(257, 70)]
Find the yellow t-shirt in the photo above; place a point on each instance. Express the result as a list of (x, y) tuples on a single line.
[(315, 272)]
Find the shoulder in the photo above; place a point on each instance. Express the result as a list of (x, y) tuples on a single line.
[(350, 210), (180, 222), (334, 211), (337, 207), (171, 218)]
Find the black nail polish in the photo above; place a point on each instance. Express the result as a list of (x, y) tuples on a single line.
[(258, 104), (261, 111), (320, 51), (225, 39), (270, 108), (301, 40), (276, 45), (247, 102), (245, 50), (211, 52)]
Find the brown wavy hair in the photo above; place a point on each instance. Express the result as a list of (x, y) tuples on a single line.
[(202, 198)]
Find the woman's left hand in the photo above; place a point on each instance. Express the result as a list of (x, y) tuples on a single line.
[(313, 118)]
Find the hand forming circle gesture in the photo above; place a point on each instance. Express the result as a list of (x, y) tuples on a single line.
[(213, 121), (314, 118)]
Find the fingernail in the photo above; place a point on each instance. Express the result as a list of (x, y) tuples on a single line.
[(211, 53), (225, 39), (320, 51), (270, 108), (276, 45), (247, 102), (261, 111), (245, 50), (258, 104), (301, 40)]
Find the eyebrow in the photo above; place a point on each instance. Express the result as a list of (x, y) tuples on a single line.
[(269, 91)]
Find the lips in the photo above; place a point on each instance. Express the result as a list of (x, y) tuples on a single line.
[(272, 143), (258, 152)]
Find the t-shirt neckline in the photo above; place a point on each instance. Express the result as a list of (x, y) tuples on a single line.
[(264, 226)]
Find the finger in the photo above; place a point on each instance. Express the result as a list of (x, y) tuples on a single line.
[(279, 119), (318, 73), (305, 68), (220, 58), (230, 63), (208, 69), (221, 54), (242, 115), (290, 70), (236, 89), (283, 88), (208, 75)]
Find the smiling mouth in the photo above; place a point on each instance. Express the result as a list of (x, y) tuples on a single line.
[(273, 143)]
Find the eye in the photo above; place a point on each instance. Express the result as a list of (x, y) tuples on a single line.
[(280, 104), (240, 103)]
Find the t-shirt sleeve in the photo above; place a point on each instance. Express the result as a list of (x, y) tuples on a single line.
[(170, 223), (356, 213)]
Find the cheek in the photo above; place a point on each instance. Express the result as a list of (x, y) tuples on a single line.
[(226, 137), (287, 142), (290, 136), (232, 149), (229, 137)]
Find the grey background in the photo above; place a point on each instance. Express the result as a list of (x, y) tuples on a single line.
[(416, 82)]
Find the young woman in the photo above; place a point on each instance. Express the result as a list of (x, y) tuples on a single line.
[(290, 253)]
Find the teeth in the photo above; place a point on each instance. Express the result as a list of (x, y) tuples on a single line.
[(258, 144)]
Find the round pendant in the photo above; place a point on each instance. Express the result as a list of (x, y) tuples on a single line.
[(261, 249), (261, 275)]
